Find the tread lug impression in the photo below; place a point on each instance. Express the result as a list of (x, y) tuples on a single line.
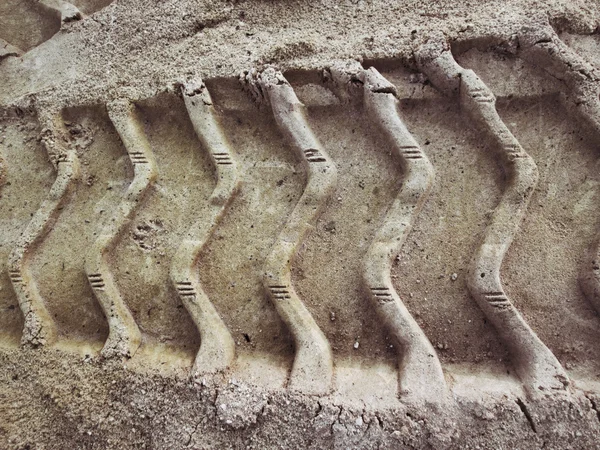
[(314, 225), (534, 362), (312, 370)]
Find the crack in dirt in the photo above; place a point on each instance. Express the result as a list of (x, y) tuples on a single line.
[(526, 413)]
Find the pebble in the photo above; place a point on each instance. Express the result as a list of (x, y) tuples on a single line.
[(454, 276), (356, 344)]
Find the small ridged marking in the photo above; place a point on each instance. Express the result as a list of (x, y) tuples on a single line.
[(96, 281), (411, 152), (383, 294), (514, 151), (223, 159), (15, 276), (496, 298), (138, 158), (314, 155), (280, 293)]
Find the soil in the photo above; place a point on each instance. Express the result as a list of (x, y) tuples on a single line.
[(68, 395)]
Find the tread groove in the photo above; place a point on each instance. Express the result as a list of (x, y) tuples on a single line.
[(582, 97), (535, 364), (420, 372), (39, 327), (217, 347), (124, 336), (312, 370)]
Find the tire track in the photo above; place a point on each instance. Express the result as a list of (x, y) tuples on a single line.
[(217, 348), (28, 177), (124, 335), (59, 265), (39, 327), (535, 364), (562, 215), (234, 256), (581, 96), (143, 257), (420, 372), (327, 270), (431, 281), (312, 370), (561, 212)]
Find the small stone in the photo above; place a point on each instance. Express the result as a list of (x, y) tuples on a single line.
[(359, 422), (356, 344), (454, 276)]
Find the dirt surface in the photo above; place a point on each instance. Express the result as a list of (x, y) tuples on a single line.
[(277, 333)]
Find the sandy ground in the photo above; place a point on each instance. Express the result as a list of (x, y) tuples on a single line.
[(68, 396)]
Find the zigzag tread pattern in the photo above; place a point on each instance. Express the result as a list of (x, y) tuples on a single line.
[(312, 369), (534, 362), (581, 96)]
